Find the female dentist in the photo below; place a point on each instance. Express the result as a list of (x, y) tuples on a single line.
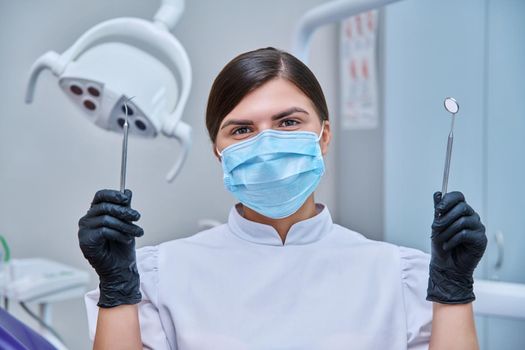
[(279, 274)]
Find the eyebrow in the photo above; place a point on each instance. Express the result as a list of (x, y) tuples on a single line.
[(280, 115), (287, 112)]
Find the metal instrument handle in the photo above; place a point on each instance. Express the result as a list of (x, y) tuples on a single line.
[(447, 165)]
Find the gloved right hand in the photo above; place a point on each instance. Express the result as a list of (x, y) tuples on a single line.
[(107, 240)]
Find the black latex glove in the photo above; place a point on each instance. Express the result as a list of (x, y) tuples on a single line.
[(107, 240), (458, 243)]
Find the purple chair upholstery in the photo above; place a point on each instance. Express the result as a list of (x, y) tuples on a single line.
[(14, 335)]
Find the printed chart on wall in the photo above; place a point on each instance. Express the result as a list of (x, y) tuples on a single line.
[(359, 95)]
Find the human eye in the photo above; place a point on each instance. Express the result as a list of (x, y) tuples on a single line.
[(241, 131), (288, 123)]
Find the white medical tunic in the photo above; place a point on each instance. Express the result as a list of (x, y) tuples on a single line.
[(238, 287)]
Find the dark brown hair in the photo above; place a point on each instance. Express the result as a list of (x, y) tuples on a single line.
[(252, 69)]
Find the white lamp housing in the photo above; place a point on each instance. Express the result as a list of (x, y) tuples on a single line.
[(122, 58)]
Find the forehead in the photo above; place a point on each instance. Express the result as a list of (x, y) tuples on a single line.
[(269, 99)]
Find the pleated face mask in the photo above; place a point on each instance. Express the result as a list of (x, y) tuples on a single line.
[(274, 172)]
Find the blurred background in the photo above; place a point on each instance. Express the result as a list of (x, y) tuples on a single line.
[(380, 176)]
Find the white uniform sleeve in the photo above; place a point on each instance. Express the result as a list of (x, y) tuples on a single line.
[(414, 276), (151, 330)]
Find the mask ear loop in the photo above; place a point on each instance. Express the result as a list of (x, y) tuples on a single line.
[(321, 133)]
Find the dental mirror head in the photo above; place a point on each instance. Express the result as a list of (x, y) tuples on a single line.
[(451, 105)]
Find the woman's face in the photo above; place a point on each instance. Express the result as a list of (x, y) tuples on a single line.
[(278, 105)]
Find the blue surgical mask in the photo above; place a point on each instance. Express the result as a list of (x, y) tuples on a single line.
[(274, 172)]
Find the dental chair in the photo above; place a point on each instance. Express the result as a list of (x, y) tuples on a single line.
[(14, 335)]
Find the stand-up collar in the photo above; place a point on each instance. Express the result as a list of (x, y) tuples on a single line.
[(302, 232)]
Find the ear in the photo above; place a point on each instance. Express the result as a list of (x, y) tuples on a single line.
[(214, 148), (326, 137)]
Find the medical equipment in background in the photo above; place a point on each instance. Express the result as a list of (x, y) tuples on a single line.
[(42, 281), (328, 13), (452, 106), (14, 335), (125, 57), (500, 299), (31, 279), (124, 161), (5, 254)]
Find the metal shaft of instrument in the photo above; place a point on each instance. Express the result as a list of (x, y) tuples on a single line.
[(123, 164), (448, 158)]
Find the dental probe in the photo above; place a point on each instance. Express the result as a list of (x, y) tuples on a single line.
[(123, 164)]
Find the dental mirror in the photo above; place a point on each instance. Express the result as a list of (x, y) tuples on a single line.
[(452, 106)]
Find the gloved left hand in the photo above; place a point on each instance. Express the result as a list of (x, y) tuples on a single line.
[(458, 243)]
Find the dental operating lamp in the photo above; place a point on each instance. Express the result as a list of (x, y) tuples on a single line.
[(121, 58), (328, 13)]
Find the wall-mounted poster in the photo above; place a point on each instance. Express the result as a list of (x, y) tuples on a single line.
[(358, 67)]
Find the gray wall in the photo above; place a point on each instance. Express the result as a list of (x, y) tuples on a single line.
[(360, 166), (53, 160), (443, 57)]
